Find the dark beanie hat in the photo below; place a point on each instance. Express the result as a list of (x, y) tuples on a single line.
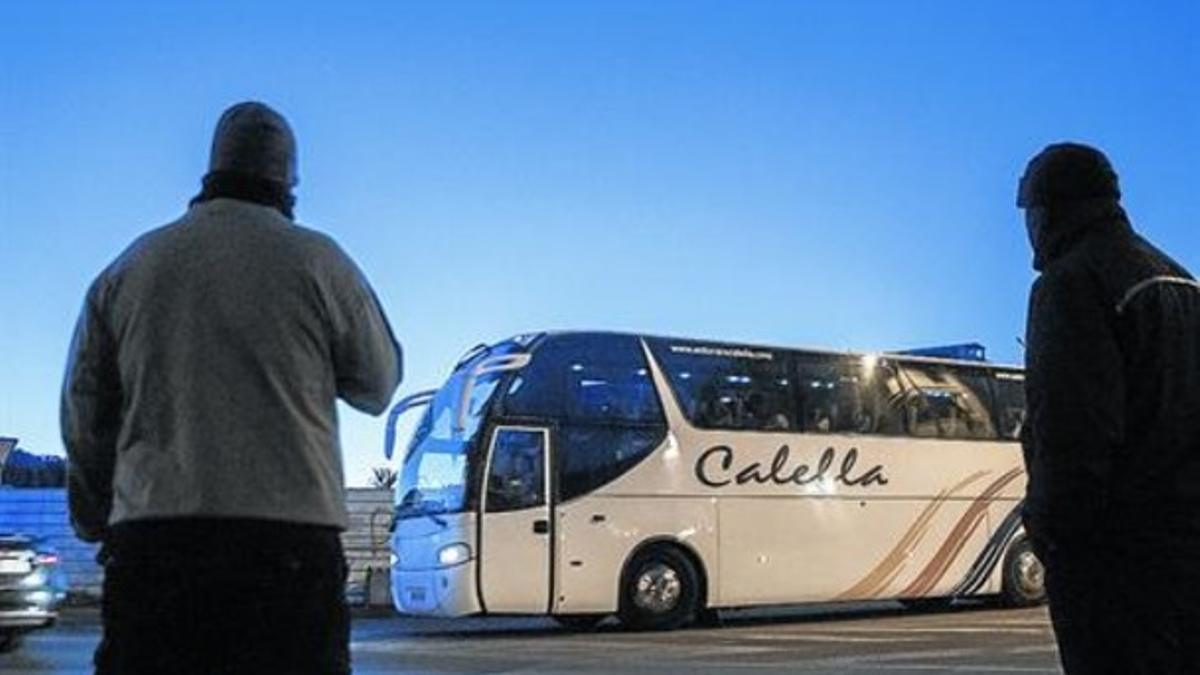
[(253, 140), (1065, 173)]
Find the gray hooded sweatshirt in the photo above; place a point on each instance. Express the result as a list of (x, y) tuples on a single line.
[(204, 370)]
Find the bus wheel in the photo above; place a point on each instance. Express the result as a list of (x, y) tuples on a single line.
[(1024, 576), (660, 590), (579, 622)]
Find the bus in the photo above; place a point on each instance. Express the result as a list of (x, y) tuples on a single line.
[(585, 474)]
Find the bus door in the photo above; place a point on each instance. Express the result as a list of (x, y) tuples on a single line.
[(515, 541)]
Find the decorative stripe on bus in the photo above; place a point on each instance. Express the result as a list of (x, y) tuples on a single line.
[(982, 569), (892, 564), (929, 577)]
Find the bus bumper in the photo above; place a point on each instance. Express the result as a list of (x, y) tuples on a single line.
[(446, 591)]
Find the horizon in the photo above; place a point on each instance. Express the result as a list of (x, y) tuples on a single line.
[(827, 175)]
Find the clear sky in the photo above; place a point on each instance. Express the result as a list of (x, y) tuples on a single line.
[(832, 174)]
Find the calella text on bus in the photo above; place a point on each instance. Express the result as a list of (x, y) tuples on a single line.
[(716, 468)]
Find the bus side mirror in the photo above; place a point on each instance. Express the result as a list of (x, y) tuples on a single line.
[(417, 400), (495, 364)]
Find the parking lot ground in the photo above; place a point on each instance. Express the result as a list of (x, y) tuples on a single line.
[(843, 640)]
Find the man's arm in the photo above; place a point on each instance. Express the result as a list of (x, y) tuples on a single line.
[(90, 418), (1076, 398), (367, 359)]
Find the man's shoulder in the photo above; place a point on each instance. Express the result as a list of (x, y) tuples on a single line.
[(142, 245), (1118, 261), (314, 239), (322, 250), (1105, 246), (296, 238)]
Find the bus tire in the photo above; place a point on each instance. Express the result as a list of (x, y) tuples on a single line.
[(709, 618), (579, 622), (1024, 581), (660, 590)]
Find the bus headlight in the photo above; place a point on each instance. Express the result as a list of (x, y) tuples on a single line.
[(454, 554)]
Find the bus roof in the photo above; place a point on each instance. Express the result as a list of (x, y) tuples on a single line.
[(893, 355)]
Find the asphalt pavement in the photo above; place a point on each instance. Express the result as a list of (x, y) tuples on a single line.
[(846, 640)]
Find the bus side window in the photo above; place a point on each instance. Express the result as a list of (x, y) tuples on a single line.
[(883, 398), (615, 392), (1009, 406), (613, 417), (593, 377), (944, 402), (976, 403), (830, 396), (516, 478), (744, 395), (591, 455), (748, 389)]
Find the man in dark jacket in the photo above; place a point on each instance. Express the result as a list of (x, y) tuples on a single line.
[(199, 416), (1112, 438)]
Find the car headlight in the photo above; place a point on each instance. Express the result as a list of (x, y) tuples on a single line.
[(454, 554)]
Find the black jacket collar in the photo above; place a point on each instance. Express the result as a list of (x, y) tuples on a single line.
[(247, 188)]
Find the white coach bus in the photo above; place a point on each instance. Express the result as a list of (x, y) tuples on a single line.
[(585, 474)]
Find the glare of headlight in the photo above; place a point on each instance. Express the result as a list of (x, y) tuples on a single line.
[(454, 554)]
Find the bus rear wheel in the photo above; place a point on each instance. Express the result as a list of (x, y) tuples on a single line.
[(1024, 576), (660, 590)]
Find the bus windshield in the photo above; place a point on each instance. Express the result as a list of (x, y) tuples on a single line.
[(433, 478)]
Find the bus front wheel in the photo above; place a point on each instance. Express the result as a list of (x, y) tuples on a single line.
[(1024, 576), (660, 590)]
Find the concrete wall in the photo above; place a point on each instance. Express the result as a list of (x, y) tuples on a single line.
[(43, 512), (366, 543)]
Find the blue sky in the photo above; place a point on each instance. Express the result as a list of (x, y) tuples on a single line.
[(829, 174)]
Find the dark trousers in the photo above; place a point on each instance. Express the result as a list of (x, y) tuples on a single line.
[(1127, 605), (223, 596)]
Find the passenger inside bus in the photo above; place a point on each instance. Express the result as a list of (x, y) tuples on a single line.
[(762, 413)]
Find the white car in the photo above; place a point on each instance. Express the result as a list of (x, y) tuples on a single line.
[(31, 587)]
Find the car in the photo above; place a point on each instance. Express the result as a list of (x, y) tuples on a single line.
[(32, 585)]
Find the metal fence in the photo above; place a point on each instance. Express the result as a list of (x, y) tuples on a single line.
[(43, 512)]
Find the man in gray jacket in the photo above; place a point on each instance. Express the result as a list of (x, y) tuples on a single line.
[(199, 417)]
